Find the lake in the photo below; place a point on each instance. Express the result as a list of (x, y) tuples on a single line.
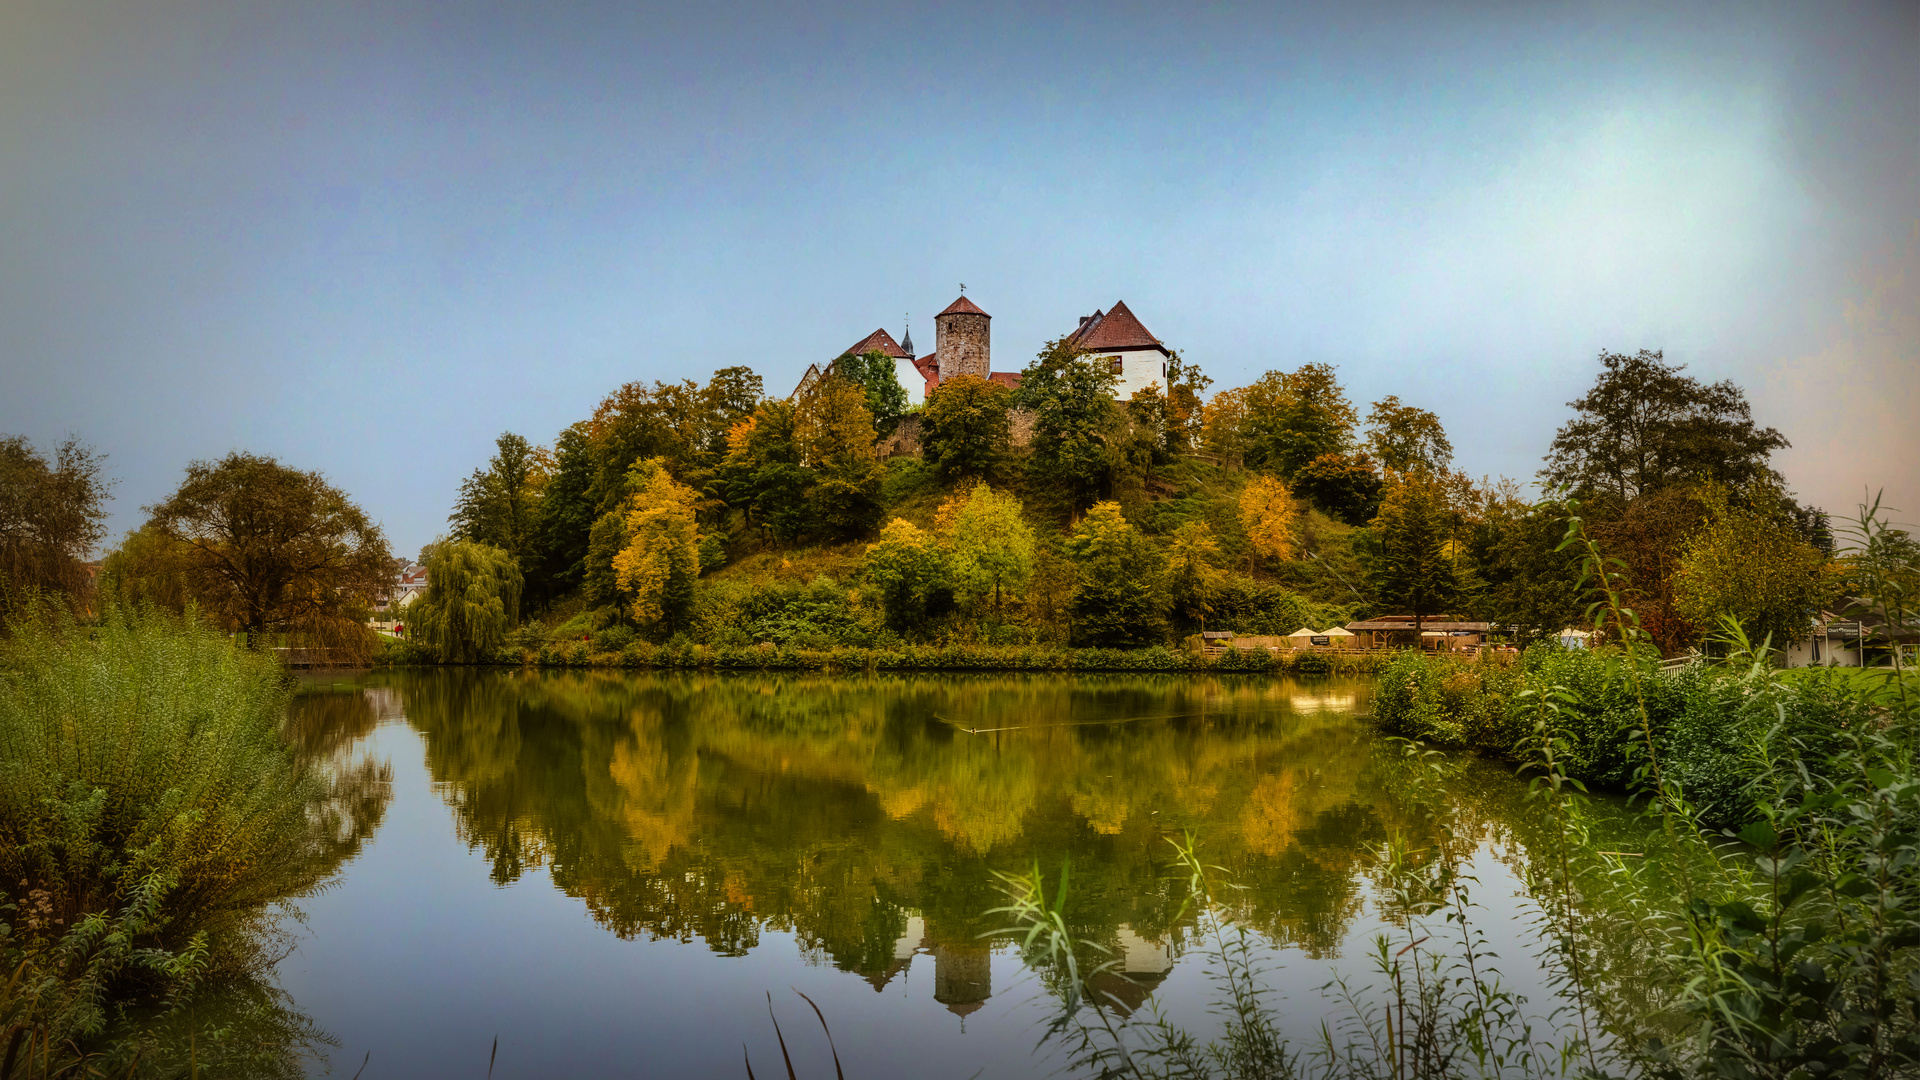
[(609, 872)]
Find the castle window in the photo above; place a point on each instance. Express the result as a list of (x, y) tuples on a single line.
[(1115, 361)]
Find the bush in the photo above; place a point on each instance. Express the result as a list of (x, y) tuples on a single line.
[(613, 639), (150, 810)]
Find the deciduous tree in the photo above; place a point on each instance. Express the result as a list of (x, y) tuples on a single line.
[(907, 566), (1193, 571), (51, 516), (1294, 417), (500, 505), (877, 374), (1748, 561), (963, 429), (1346, 486), (471, 603), (1645, 426), (1267, 515), (834, 433), (992, 546), (1403, 437), (1076, 424), (271, 548), (661, 559)]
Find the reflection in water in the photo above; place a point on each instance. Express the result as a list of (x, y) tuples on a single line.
[(866, 817)]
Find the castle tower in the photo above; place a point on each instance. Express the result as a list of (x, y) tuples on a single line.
[(962, 340)]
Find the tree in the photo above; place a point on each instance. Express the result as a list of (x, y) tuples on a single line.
[(1193, 571), (833, 432), (272, 548), (1645, 426), (1412, 568), (907, 567), (564, 518), (963, 429), (1403, 437), (1294, 417), (1223, 426), (600, 582), (1751, 563), (1648, 537), (1266, 513), (729, 397), (1525, 579), (471, 603), (1075, 422), (500, 505), (51, 516), (1186, 386), (876, 373), (1346, 486), (666, 420), (762, 474), (661, 559), (992, 546), (1118, 598), (147, 568)]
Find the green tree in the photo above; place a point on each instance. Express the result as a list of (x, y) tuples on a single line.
[(147, 568), (661, 559), (564, 519), (1186, 390), (1403, 437), (1076, 425), (1412, 567), (1193, 571), (834, 433), (762, 475), (876, 373), (1223, 426), (272, 548), (666, 420), (1119, 597), (1645, 426), (1294, 417), (500, 505), (1526, 580), (728, 398), (992, 546), (51, 516), (907, 566), (600, 582), (471, 603), (963, 429), (1748, 561), (1346, 486)]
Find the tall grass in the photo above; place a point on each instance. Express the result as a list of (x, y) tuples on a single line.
[(153, 822), (1786, 948)]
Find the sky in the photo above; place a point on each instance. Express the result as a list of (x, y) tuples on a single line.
[(368, 238)]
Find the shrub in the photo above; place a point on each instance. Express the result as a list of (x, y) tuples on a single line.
[(613, 639)]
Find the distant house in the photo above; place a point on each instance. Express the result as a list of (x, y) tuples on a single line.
[(1862, 638), (408, 584), (1438, 633), (1137, 359)]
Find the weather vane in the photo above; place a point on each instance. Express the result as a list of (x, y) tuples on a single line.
[(963, 288)]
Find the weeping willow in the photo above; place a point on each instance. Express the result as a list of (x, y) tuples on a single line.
[(471, 603)]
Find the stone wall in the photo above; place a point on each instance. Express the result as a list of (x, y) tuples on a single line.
[(1020, 428), (904, 442), (964, 343)]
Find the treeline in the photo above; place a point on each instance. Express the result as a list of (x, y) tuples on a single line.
[(682, 512)]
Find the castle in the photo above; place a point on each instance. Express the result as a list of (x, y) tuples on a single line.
[(963, 345)]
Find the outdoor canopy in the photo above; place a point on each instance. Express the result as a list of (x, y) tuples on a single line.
[(1304, 632)]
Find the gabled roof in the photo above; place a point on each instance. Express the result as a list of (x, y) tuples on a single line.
[(929, 366), (963, 306), (881, 341), (1115, 329)]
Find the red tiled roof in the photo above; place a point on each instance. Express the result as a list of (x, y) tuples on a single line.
[(1115, 329), (929, 368), (963, 306), (878, 340), (1008, 379)]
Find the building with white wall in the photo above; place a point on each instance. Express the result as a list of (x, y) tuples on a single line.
[(1118, 339)]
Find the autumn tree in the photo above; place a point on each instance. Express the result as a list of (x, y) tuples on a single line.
[(1267, 515), (500, 505), (1748, 561), (992, 546), (1076, 424), (1403, 437), (273, 548), (877, 374), (1294, 417), (1412, 567), (147, 568), (963, 429), (1186, 391), (661, 559), (907, 566), (728, 398), (762, 474), (471, 603), (1193, 571), (1223, 422), (1645, 426), (52, 513), (1648, 536), (833, 432), (1119, 596)]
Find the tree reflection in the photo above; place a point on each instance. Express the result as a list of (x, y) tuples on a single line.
[(867, 816)]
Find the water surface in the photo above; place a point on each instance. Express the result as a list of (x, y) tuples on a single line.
[(611, 871)]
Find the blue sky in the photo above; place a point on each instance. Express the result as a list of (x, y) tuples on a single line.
[(368, 238)]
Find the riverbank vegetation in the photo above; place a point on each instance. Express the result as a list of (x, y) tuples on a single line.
[(156, 822)]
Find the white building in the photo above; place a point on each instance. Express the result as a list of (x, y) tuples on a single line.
[(1118, 339)]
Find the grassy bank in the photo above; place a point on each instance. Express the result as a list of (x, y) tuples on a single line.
[(770, 657)]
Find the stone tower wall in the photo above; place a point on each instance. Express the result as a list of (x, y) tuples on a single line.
[(963, 342)]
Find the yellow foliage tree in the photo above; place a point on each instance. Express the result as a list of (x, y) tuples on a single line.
[(1266, 512), (662, 557)]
